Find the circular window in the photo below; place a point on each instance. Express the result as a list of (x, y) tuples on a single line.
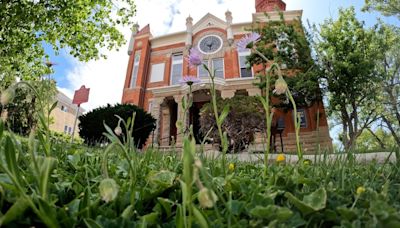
[(210, 44)]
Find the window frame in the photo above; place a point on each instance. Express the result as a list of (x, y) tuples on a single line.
[(212, 68), (162, 72), (244, 54), (135, 67), (176, 62)]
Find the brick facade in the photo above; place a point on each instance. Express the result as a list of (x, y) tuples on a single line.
[(162, 98)]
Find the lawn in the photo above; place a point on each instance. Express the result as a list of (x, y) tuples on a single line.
[(117, 186)]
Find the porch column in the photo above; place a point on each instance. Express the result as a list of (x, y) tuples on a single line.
[(165, 129), (156, 113), (227, 93), (180, 112), (254, 92)]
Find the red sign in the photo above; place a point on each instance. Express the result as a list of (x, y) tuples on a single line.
[(81, 96)]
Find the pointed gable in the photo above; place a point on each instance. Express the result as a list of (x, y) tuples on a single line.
[(209, 21), (145, 30)]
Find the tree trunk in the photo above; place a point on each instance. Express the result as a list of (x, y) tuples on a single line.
[(381, 144), (391, 129)]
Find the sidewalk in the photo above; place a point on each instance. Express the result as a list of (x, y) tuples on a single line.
[(379, 157)]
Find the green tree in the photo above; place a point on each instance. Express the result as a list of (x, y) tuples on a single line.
[(386, 7), (82, 27), (375, 140), (246, 117), (346, 52), (91, 126), (388, 69)]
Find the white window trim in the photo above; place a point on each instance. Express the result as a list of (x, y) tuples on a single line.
[(162, 72), (240, 54), (180, 61), (223, 66), (135, 64)]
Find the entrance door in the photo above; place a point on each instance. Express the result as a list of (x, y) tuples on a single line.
[(174, 117), (195, 120)]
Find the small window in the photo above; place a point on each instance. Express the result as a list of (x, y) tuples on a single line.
[(202, 72), (135, 70), (69, 130), (245, 71), (157, 72), (176, 68), (65, 129), (217, 65)]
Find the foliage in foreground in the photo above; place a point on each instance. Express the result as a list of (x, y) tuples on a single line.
[(92, 124), (85, 28), (83, 190)]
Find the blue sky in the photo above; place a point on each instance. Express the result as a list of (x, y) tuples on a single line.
[(106, 77)]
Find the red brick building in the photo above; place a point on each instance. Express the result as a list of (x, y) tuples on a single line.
[(156, 65)]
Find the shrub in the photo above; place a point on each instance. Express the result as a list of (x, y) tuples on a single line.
[(91, 126), (245, 118)]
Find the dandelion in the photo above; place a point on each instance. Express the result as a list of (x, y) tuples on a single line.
[(189, 80), (231, 167), (207, 198), (195, 59), (280, 86), (108, 189), (280, 158), (360, 190), (248, 41)]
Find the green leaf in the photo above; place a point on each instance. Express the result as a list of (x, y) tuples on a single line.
[(200, 218), (179, 218), (1, 128), (47, 165), (166, 205), (311, 203), (53, 107), (15, 211), (90, 223), (223, 115), (128, 212), (150, 219), (161, 179), (271, 212), (48, 213), (346, 213), (11, 159)]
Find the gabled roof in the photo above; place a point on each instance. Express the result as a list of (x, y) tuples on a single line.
[(208, 20)]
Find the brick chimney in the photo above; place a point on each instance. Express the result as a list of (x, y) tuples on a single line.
[(270, 5)]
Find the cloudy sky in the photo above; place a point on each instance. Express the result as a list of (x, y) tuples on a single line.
[(105, 78)]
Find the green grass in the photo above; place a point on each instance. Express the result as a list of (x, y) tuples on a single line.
[(150, 194)]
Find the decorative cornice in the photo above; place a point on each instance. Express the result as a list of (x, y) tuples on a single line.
[(220, 84)]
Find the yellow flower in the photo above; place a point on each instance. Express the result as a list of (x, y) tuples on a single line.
[(231, 167), (360, 190), (280, 158)]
